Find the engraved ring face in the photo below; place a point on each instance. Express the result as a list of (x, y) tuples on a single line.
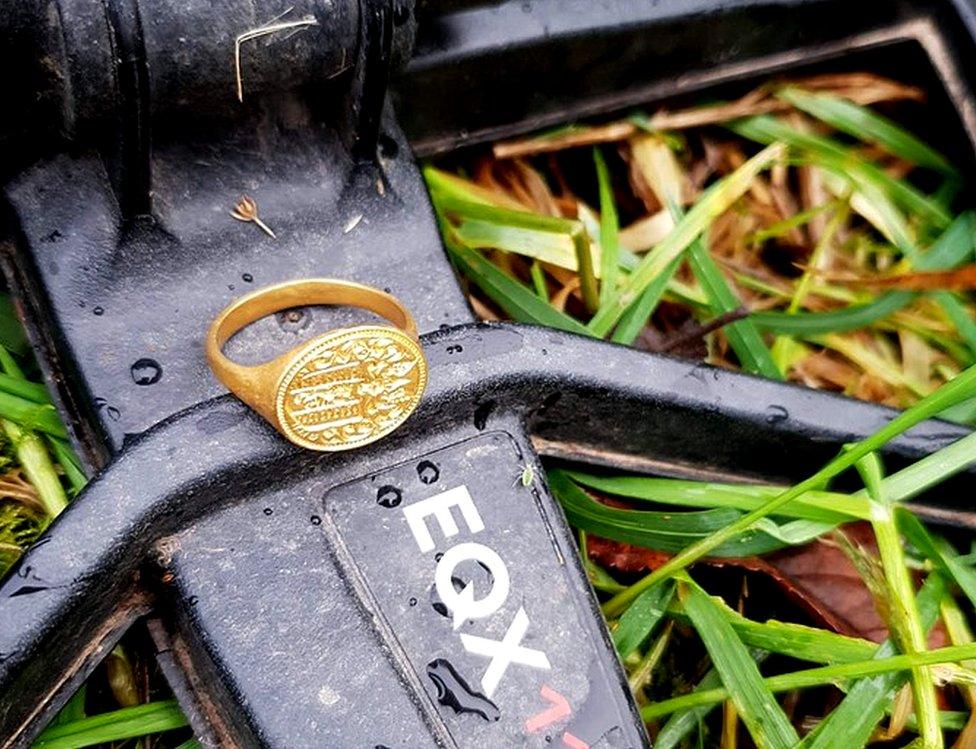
[(350, 388)]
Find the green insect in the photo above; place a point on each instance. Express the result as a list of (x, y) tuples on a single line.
[(526, 476)]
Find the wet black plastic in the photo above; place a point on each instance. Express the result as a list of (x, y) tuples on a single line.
[(282, 615)]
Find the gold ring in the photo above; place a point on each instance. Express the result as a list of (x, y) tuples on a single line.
[(341, 390)]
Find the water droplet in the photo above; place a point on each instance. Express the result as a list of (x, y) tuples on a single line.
[(412, 601), (436, 603), (192, 600), (465, 574), (113, 413), (428, 472), (316, 520), (453, 691), (268, 511), (481, 414), (776, 414), (146, 372), (294, 320), (455, 349), (98, 311), (388, 496), (247, 278), (388, 149)]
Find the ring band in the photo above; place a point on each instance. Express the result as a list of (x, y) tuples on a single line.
[(340, 390)]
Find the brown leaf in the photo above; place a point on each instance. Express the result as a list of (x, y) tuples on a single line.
[(624, 557), (820, 578), (588, 137)]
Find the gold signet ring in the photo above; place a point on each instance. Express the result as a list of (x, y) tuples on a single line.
[(341, 390)]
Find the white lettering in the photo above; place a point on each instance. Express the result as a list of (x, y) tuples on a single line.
[(503, 653), (463, 605), (440, 507)]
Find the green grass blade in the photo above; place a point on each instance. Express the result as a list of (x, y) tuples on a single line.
[(129, 722), (744, 338), (443, 184), (834, 157), (31, 415), (559, 241), (795, 640), (851, 722), (661, 170), (955, 391), (954, 246), (683, 722), (712, 204), (12, 335), (609, 228), (785, 226), (813, 677), (639, 621), (762, 715), (69, 462), (587, 273), (871, 691), (834, 321), (539, 281), (930, 470), (635, 318), (547, 238), (822, 506), (36, 462), (867, 125), (903, 616), (960, 317), (517, 300), (32, 391), (671, 532), (20, 421), (74, 709), (945, 559), (835, 223)]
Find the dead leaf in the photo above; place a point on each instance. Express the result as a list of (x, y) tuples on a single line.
[(624, 557), (646, 232)]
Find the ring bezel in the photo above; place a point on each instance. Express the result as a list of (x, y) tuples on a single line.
[(316, 348)]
